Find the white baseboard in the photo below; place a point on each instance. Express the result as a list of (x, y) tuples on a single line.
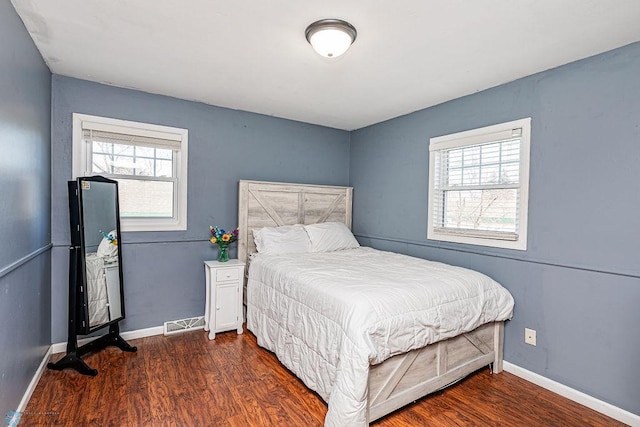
[(575, 395), (34, 381), (61, 347), (142, 333)]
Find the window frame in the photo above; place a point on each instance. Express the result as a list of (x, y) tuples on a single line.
[(81, 165), (475, 137)]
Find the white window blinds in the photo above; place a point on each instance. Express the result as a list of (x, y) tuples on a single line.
[(130, 139), (128, 155), (476, 184)]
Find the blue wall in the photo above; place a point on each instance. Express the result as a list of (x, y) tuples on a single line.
[(578, 284), (163, 271), (25, 256)]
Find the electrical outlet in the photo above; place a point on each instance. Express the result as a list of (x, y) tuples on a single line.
[(530, 336)]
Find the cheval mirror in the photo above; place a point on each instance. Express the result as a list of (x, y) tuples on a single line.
[(96, 297)]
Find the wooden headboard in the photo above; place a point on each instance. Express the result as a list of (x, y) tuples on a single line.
[(272, 204)]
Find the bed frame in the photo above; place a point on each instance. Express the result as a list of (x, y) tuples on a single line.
[(398, 380)]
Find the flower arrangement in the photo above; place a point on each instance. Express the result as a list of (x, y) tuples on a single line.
[(223, 239), (111, 237)]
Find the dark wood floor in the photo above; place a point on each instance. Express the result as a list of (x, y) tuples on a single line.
[(187, 380)]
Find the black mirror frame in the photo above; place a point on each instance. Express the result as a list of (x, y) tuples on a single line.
[(82, 325), (77, 273)]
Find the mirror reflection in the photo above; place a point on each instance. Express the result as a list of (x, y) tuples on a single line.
[(100, 236)]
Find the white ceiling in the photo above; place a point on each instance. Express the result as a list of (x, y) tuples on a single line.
[(252, 55)]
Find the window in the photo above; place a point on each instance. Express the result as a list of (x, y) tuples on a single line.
[(479, 186), (148, 161)]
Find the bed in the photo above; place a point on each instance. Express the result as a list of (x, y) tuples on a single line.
[(364, 351)]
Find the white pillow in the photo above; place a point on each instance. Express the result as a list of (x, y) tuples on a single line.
[(282, 240), (330, 236)]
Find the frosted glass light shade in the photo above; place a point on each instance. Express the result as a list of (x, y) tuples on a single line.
[(330, 37)]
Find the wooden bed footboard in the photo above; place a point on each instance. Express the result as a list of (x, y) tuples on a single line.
[(407, 377)]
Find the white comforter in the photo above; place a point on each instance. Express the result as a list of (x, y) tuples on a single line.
[(328, 316), (97, 300)]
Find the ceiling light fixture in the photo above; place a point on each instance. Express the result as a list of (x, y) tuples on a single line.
[(331, 37)]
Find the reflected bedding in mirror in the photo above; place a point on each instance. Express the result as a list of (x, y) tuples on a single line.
[(102, 281)]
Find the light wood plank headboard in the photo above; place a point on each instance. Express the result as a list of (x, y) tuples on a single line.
[(272, 204)]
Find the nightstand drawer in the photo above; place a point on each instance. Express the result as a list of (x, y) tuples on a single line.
[(227, 274)]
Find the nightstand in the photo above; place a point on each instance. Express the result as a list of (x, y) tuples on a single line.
[(223, 307)]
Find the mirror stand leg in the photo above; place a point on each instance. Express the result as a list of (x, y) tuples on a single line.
[(119, 342), (113, 338), (72, 360)]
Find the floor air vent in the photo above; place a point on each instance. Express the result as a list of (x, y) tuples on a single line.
[(183, 325)]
